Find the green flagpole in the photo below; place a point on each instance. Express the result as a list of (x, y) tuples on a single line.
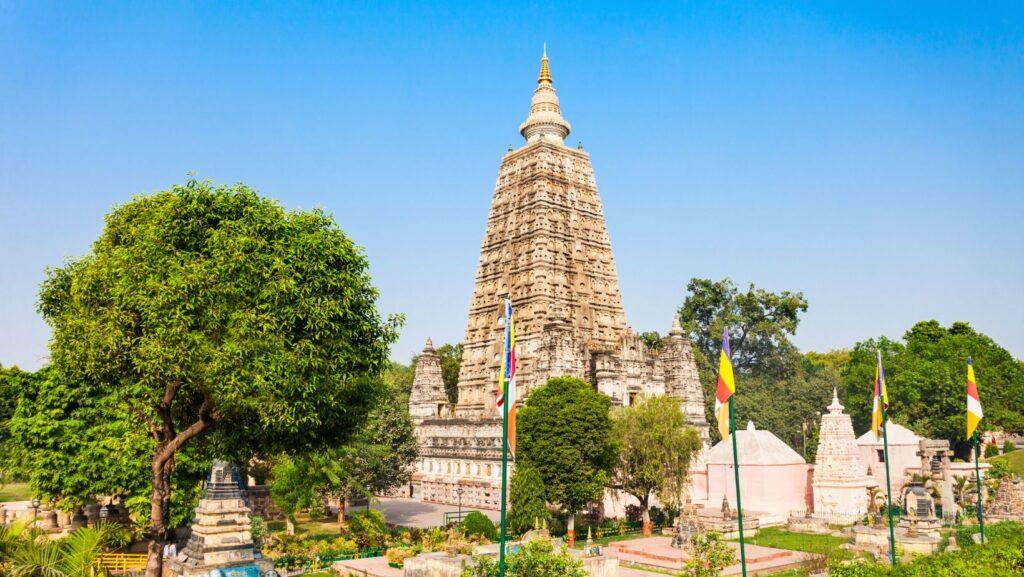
[(888, 483), (736, 470), (977, 475), (504, 472)]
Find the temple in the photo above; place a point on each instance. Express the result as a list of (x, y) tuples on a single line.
[(547, 246)]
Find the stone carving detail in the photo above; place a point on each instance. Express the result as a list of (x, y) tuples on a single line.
[(1008, 503), (546, 244)]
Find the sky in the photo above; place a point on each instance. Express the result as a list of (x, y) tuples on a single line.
[(868, 154)]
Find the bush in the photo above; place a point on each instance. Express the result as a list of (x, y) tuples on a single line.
[(368, 528), (991, 450), (1001, 556), (658, 516), (534, 559), (477, 524), (1009, 447), (633, 513)]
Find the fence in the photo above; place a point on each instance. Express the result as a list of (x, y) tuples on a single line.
[(121, 562), (609, 529), (455, 517)]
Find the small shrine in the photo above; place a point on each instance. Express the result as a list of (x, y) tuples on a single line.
[(221, 543), (840, 483)]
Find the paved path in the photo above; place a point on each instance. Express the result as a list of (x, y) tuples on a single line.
[(412, 513)]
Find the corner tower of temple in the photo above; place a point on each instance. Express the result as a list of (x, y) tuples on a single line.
[(546, 245)]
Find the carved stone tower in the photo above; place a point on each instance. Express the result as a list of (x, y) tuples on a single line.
[(840, 482), (428, 398), (546, 245)]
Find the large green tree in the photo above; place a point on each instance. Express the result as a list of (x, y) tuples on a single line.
[(655, 450), (451, 361), (759, 322), (565, 431), (208, 313), (12, 382), (926, 375)]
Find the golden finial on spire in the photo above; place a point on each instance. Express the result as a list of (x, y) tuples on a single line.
[(545, 70)]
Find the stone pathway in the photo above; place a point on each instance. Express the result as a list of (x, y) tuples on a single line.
[(412, 513), (369, 567)]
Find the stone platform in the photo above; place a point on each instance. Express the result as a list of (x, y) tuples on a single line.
[(657, 553), (369, 567)]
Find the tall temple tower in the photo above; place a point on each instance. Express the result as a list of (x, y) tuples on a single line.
[(547, 246)]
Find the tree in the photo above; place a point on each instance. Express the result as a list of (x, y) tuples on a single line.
[(12, 382), (759, 322), (451, 361), (290, 490), (537, 558), (528, 503), (926, 375), (476, 523), (565, 431), (652, 340), (655, 451), (211, 314)]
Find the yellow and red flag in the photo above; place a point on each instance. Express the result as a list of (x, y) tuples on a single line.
[(881, 399), (507, 377), (726, 386), (974, 413)]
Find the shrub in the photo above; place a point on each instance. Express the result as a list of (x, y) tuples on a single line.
[(368, 528), (633, 513), (1009, 447), (534, 559), (396, 556), (477, 524), (991, 450)]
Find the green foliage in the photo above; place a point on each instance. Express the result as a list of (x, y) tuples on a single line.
[(451, 361), (375, 460), (1001, 556), (709, 555), (991, 450), (1009, 463), (926, 376), (368, 528), (28, 553), (478, 524), (258, 530), (759, 322), (652, 340), (528, 503), (565, 432), (399, 377), (535, 559), (1008, 447), (203, 320), (12, 382), (655, 451)]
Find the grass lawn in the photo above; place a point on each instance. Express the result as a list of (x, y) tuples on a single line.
[(1015, 459), (581, 539), (309, 528), (782, 539), (15, 492)]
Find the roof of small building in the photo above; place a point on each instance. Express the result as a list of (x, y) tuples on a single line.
[(897, 435), (755, 447)]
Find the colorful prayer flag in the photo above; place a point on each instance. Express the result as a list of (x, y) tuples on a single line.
[(507, 377), (726, 386), (881, 399), (974, 413)]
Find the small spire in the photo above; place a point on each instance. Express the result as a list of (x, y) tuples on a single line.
[(545, 69), (677, 329), (835, 408), (750, 426), (429, 347)]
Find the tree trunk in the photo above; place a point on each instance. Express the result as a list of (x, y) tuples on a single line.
[(341, 511), (158, 507), (645, 515), (289, 524), (570, 534)]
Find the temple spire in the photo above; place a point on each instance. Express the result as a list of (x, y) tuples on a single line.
[(545, 121), (545, 68)]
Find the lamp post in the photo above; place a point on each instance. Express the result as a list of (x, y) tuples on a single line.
[(458, 492), (35, 510)]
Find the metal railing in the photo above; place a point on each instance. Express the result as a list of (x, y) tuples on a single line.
[(121, 562), (455, 517)]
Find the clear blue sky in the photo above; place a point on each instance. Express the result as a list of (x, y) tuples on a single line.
[(869, 155)]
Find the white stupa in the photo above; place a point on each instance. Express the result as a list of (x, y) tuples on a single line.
[(840, 483)]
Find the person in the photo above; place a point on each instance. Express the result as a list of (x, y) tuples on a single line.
[(170, 550)]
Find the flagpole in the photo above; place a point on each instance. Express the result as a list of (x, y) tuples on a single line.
[(888, 483), (736, 470), (504, 472), (977, 476)]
